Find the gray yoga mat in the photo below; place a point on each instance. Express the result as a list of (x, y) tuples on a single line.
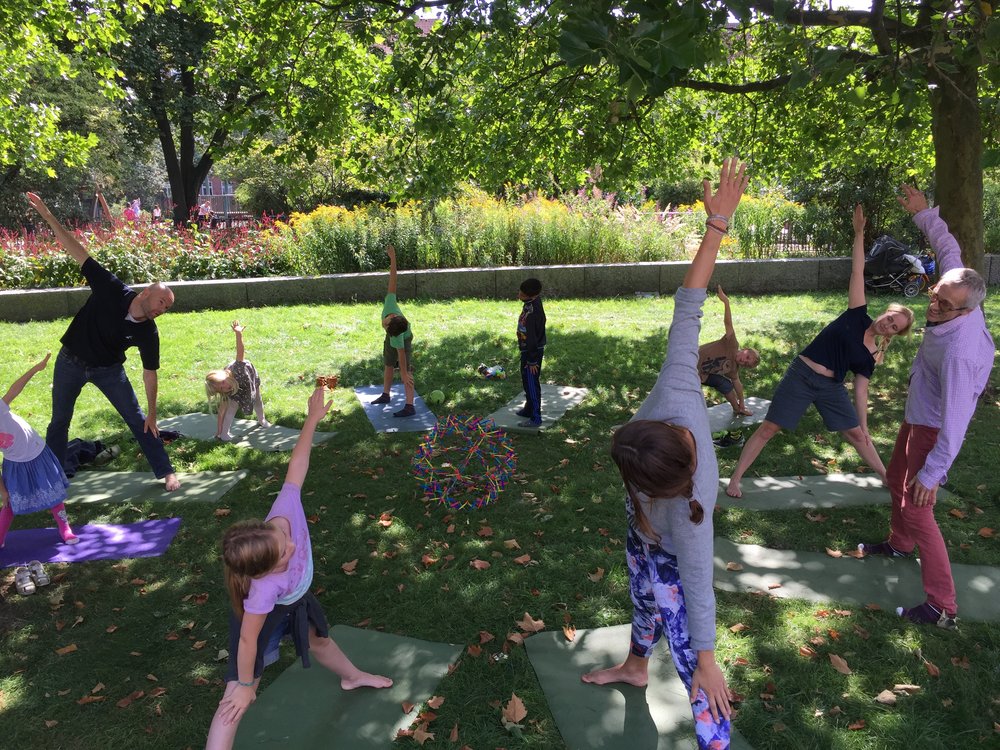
[(556, 401), (821, 491), (721, 417), (246, 433), (612, 717), (306, 708), (380, 415), (817, 577), (142, 486)]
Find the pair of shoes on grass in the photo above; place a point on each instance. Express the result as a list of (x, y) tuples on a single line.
[(406, 411), (883, 549), (383, 399), (28, 579), (729, 440), (928, 614)]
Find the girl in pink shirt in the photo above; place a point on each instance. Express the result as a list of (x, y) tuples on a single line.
[(268, 569), (32, 479)]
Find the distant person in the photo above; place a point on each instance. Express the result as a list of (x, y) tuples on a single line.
[(205, 214), (157, 213), (531, 343), (269, 573), (950, 372), (719, 362), (113, 319), (397, 349), (132, 211), (853, 342), (238, 389)]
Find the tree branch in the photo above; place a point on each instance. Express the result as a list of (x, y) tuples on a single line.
[(735, 88)]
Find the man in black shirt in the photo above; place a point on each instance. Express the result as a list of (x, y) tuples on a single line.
[(112, 319)]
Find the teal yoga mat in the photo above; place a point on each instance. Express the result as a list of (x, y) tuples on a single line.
[(817, 577), (556, 401), (246, 433), (142, 486), (307, 710), (612, 717)]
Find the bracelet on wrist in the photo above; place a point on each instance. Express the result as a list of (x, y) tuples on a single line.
[(716, 228), (244, 684), (713, 217)]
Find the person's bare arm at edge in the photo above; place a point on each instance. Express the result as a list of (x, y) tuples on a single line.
[(856, 288), (18, 385), (73, 247), (391, 252), (106, 209), (151, 384), (298, 464), (238, 330), (727, 315), (732, 182)]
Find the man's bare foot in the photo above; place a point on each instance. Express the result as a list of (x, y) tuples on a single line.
[(744, 412), (171, 482), (620, 673), (733, 488), (365, 679)]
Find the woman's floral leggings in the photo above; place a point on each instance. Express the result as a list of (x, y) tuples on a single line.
[(656, 591)]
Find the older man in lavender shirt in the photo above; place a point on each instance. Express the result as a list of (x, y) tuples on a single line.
[(949, 373)]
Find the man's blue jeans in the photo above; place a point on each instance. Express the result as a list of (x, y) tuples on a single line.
[(68, 378)]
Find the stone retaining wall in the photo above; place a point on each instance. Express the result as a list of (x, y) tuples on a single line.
[(737, 276)]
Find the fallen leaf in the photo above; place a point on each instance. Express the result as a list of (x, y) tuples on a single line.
[(314, 518), (529, 625), (835, 711), (200, 598), (421, 735), (956, 513), (886, 698), (986, 532), (772, 586), (453, 737), (843, 612), (200, 681), (739, 627), (596, 575), (873, 607), (569, 631), (946, 702), (110, 628), (479, 564), (97, 688), (484, 531), (485, 636), (385, 520), (817, 517), (862, 633), (50, 723), (741, 662), (435, 701), (778, 727), (834, 552), (857, 554), (961, 662), (222, 512), (90, 699), (511, 544), (127, 700), (932, 668), (523, 559), (428, 560), (348, 567), (908, 689), (474, 650), (66, 649), (807, 652), (859, 724), (733, 566), (407, 707), (834, 635), (514, 711), (515, 638), (839, 664)]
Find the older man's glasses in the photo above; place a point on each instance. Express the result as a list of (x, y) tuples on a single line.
[(944, 305)]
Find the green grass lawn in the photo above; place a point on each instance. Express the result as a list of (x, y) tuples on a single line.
[(160, 622)]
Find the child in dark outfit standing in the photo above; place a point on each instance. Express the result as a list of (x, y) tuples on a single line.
[(531, 342)]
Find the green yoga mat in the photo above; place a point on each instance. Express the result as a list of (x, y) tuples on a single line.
[(817, 577), (306, 709), (612, 717), (556, 401), (142, 486), (790, 493), (246, 433)]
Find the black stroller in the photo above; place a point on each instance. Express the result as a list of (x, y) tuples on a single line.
[(889, 264)]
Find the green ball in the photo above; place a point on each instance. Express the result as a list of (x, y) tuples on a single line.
[(435, 397)]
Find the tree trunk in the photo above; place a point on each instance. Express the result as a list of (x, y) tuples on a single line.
[(958, 159)]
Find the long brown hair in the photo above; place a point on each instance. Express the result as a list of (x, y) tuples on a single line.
[(656, 459), (249, 549), (882, 342)]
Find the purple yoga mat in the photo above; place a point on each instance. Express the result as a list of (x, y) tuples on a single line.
[(97, 542)]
